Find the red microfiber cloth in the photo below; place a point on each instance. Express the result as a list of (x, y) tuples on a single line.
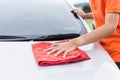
[(46, 60)]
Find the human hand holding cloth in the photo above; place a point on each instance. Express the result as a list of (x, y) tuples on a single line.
[(43, 58)]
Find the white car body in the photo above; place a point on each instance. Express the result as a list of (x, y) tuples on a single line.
[(17, 62)]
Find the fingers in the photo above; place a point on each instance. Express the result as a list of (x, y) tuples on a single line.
[(76, 10), (59, 48), (56, 47), (48, 49), (79, 12), (67, 51), (59, 52), (53, 49), (71, 48), (55, 44), (65, 54), (50, 52)]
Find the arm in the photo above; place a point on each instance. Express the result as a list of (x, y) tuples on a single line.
[(88, 15), (111, 21), (83, 14)]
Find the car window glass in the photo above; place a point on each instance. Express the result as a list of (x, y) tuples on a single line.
[(37, 17)]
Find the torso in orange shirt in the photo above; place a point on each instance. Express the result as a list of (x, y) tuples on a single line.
[(99, 9)]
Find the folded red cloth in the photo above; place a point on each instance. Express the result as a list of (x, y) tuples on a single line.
[(46, 60)]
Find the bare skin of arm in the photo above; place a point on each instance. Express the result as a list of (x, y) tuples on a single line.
[(84, 15), (111, 21)]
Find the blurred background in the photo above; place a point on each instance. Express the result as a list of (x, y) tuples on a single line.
[(85, 6)]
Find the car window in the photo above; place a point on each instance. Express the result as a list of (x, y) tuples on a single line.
[(38, 17)]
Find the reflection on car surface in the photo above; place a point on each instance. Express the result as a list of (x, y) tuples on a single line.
[(24, 22)]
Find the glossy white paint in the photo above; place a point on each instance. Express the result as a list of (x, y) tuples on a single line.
[(17, 63), (78, 1)]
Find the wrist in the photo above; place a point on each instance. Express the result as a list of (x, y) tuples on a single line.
[(75, 42), (79, 41), (85, 16), (88, 15)]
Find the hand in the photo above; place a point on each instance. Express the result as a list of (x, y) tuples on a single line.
[(79, 12), (60, 47)]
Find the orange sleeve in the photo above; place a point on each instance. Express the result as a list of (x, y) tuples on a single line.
[(112, 6)]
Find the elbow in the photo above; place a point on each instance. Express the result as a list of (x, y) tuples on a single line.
[(112, 29)]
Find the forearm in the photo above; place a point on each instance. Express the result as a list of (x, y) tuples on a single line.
[(94, 36), (103, 31), (88, 15)]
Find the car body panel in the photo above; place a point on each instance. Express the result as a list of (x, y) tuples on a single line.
[(18, 63), (37, 17)]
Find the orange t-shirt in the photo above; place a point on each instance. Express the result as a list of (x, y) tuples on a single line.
[(99, 9)]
